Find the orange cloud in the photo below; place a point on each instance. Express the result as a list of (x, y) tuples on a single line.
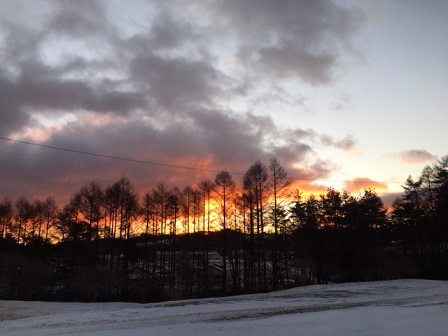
[(361, 183), (308, 188)]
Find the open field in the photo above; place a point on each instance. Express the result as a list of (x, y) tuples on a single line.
[(401, 307)]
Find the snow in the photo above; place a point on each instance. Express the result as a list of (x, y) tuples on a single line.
[(400, 307)]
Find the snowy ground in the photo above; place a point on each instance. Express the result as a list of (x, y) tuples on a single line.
[(402, 307)]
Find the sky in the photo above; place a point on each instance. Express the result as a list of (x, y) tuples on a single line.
[(348, 94)]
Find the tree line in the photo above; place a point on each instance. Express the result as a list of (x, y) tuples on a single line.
[(219, 238)]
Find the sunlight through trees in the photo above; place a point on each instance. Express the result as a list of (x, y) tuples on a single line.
[(218, 238)]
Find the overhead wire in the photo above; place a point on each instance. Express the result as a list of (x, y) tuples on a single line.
[(112, 156), (120, 158)]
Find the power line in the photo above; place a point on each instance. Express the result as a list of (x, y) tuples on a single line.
[(120, 158), (112, 156)]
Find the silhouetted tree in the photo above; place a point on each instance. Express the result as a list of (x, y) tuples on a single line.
[(441, 193), (331, 208), (173, 207), (23, 211), (105, 245), (225, 188), (279, 182), (206, 187), (91, 204), (50, 212), (70, 226), (6, 217), (439, 232), (160, 197), (256, 184)]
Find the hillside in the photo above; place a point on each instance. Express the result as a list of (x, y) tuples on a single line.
[(400, 307)]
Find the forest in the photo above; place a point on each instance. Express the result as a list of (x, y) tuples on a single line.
[(218, 238)]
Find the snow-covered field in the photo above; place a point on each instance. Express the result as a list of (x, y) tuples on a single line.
[(402, 307)]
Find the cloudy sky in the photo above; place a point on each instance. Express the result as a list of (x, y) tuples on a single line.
[(339, 91)]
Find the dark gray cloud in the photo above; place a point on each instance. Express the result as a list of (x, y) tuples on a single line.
[(212, 142), (11, 116), (292, 38), (38, 91), (78, 19), (176, 84), (163, 76), (287, 61), (347, 143), (168, 33)]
